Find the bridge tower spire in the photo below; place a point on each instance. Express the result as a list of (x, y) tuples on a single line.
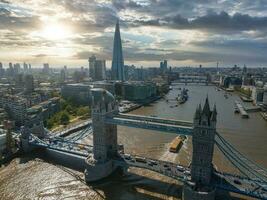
[(203, 147), (100, 164)]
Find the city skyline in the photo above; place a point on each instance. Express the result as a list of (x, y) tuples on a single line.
[(185, 33)]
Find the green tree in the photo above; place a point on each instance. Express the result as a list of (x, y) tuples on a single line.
[(83, 111), (63, 104), (64, 118), (71, 110)]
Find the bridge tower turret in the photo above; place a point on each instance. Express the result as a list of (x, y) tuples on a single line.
[(104, 135), (99, 165), (203, 144), (203, 147)]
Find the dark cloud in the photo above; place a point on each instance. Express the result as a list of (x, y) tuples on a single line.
[(43, 55), (213, 21), (199, 57)]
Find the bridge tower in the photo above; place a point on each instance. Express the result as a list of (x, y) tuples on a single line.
[(203, 147), (100, 164)]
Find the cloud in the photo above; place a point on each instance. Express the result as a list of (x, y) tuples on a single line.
[(213, 22), (181, 30)]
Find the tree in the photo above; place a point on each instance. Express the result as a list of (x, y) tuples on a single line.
[(83, 111), (63, 104), (64, 118), (71, 110)]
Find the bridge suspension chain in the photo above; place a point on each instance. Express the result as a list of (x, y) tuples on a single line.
[(252, 164), (244, 165)]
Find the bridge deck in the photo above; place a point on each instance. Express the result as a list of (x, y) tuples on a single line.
[(151, 125), (155, 119), (224, 181)]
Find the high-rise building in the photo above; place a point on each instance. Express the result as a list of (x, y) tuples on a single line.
[(2, 70), (97, 69), (16, 68), (46, 69), (92, 60), (29, 83), (62, 75), (25, 67), (100, 70), (117, 69), (164, 66)]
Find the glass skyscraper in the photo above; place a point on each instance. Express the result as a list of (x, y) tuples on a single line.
[(117, 69)]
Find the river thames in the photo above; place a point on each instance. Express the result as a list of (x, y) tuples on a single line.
[(28, 178)]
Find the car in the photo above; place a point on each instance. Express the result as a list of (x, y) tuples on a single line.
[(264, 188), (127, 157), (152, 162), (165, 166), (237, 182), (140, 159), (187, 172), (180, 169)]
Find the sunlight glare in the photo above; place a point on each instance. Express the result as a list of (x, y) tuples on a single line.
[(55, 32)]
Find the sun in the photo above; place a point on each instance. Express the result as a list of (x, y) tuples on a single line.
[(55, 31)]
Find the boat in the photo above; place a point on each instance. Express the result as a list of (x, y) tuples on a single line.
[(245, 99), (230, 89), (183, 97), (236, 110), (176, 144)]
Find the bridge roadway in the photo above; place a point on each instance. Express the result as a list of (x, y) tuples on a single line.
[(152, 123), (61, 145), (223, 181), (72, 129)]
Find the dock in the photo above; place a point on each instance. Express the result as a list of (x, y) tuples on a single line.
[(242, 110)]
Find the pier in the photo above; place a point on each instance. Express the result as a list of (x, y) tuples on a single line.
[(242, 110)]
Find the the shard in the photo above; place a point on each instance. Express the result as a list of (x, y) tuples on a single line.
[(117, 69)]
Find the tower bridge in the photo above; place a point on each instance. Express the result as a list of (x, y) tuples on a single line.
[(200, 179)]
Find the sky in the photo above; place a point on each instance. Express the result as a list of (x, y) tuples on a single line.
[(184, 32)]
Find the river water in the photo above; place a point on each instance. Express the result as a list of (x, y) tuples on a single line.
[(31, 178)]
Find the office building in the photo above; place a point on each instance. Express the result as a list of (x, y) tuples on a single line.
[(46, 69), (164, 66), (15, 106), (79, 93), (257, 94), (29, 83), (2, 70), (138, 91), (97, 69), (117, 69)]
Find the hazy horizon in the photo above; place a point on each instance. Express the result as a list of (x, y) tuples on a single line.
[(185, 32)]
